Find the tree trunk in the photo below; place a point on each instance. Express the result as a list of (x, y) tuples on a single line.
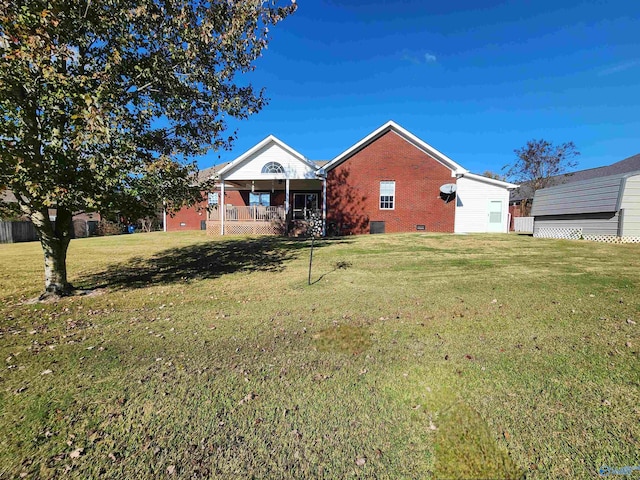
[(54, 239)]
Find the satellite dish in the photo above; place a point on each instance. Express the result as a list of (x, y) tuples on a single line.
[(448, 188)]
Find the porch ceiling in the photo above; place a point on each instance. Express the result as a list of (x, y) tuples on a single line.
[(264, 185)]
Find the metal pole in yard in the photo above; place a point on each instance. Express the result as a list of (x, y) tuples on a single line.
[(313, 237)]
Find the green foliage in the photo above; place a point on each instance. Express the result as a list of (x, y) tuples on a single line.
[(104, 103)]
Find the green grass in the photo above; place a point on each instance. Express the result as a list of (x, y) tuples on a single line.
[(409, 356)]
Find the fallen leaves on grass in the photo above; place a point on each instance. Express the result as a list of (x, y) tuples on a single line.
[(76, 453), (250, 396)]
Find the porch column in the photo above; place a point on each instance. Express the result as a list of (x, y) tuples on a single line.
[(286, 197), (164, 215), (324, 205), (222, 208)]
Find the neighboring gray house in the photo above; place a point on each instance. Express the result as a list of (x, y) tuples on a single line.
[(600, 207)]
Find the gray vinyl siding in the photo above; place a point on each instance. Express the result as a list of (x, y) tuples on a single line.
[(589, 196), (591, 223), (631, 206)]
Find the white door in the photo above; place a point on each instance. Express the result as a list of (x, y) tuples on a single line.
[(495, 216)]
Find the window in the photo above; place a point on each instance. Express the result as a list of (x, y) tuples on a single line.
[(260, 198), (272, 167), (304, 204), (387, 195)]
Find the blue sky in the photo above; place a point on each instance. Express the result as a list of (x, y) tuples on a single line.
[(474, 79)]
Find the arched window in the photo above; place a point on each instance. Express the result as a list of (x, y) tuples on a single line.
[(272, 167)]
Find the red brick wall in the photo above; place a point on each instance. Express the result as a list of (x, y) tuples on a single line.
[(517, 211), (192, 216), (514, 211), (353, 189)]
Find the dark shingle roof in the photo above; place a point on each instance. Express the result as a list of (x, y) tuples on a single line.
[(207, 173), (623, 166)]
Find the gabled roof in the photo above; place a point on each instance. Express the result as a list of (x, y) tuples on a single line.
[(269, 140), (627, 165), (391, 126), (491, 181)]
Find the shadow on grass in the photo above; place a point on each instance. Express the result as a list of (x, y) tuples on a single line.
[(204, 261), (341, 265)]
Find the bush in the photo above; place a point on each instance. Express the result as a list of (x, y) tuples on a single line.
[(106, 227)]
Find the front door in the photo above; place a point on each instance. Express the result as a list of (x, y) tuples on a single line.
[(304, 204), (495, 216)]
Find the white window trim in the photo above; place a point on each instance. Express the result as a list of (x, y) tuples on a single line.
[(393, 195), (259, 195), (273, 168)]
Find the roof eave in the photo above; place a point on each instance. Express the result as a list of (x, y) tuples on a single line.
[(256, 148), (493, 181)]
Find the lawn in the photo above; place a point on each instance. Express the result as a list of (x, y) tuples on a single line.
[(409, 356)]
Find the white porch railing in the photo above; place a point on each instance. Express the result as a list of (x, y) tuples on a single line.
[(523, 224), (255, 213)]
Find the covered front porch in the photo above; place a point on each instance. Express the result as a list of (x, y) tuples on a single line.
[(264, 207), (269, 190)]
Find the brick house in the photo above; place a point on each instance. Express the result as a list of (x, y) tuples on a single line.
[(390, 181), (195, 217)]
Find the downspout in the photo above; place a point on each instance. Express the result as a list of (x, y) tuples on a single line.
[(458, 176), (222, 207)]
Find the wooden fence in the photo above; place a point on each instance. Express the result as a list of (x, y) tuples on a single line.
[(12, 232), (22, 231)]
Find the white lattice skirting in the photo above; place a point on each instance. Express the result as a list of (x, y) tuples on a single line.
[(565, 233), (576, 234), (611, 239), (245, 228)]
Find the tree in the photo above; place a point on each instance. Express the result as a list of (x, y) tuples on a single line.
[(495, 176), (102, 100), (538, 161)]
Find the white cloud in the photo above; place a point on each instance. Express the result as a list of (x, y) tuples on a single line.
[(430, 58), (621, 67), (417, 60)]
